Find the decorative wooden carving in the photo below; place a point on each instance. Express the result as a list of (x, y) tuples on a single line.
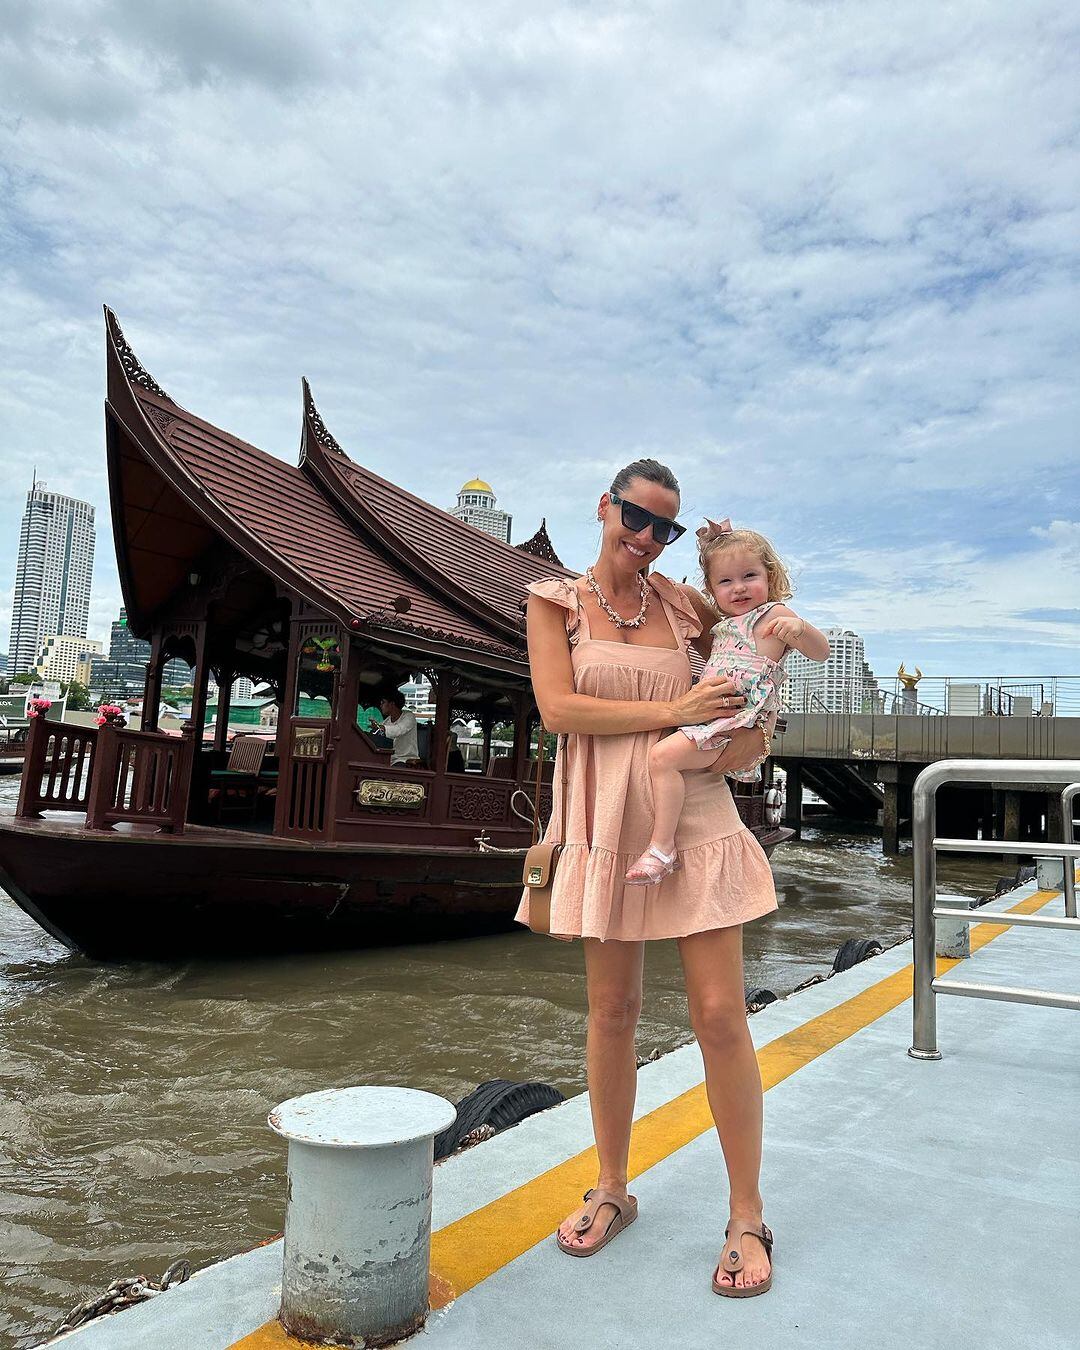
[(480, 803), (321, 652), (225, 574), (133, 368), (398, 624), (158, 415), (540, 546), (318, 426)]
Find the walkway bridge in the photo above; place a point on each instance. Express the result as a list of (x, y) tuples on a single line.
[(862, 752)]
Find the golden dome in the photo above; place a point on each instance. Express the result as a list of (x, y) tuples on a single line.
[(477, 485)]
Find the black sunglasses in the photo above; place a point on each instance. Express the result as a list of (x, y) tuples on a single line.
[(635, 518)]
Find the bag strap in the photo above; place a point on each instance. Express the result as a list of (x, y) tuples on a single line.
[(539, 783), (560, 744)]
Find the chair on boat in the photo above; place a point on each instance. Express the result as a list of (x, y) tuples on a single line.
[(237, 795), (547, 773)]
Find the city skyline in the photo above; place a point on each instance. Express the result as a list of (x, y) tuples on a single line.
[(476, 503)]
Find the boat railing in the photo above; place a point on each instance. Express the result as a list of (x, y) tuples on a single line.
[(57, 768), (926, 846), (141, 777)]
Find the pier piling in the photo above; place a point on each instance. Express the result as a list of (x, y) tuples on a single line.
[(358, 1220), (793, 798)]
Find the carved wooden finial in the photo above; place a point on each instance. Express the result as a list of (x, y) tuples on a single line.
[(318, 426), (540, 545), (132, 366)]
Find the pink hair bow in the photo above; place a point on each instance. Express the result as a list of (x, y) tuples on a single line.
[(711, 530)]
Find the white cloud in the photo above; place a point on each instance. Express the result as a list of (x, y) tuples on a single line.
[(819, 258), (1063, 539)]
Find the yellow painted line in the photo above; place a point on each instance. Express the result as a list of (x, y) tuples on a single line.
[(469, 1250), (272, 1336)]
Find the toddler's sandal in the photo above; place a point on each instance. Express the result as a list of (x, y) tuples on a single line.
[(652, 867)]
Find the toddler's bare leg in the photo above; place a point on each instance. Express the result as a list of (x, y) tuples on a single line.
[(669, 759)]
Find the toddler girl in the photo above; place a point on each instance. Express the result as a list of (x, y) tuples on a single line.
[(748, 583)]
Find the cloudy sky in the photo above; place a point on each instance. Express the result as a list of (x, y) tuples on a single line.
[(819, 257)]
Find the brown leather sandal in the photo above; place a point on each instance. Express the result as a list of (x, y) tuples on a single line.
[(627, 1213), (732, 1260)]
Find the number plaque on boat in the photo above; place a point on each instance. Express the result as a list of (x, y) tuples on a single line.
[(309, 743), (373, 792)]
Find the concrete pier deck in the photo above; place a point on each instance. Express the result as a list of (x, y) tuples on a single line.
[(913, 1203)]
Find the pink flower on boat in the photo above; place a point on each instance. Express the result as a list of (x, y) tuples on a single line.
[(38, 707)]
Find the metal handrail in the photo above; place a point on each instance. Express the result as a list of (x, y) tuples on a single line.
[(925, 846), (1069, 834), (996, 695)]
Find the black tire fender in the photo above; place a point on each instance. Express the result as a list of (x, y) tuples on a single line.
[(854, 950), (499, 1103)]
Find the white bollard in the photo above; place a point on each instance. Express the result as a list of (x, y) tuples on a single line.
[(1050, 873), (952, 939), (358, 1219)]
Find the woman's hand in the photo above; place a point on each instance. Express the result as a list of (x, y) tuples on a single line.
[(706, 701), (746, 748)]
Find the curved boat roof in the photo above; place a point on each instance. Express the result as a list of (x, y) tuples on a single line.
[(338, 535)]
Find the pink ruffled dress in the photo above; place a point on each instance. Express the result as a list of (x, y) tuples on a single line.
[(724, 877), (758, 678)]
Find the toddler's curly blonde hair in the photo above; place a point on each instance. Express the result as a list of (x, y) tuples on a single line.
[(779, 582)]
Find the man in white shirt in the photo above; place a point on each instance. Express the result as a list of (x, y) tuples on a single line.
[(399, 724)]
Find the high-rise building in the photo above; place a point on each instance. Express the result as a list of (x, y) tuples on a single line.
[(125, 647), (53, 574), (418, 697), (872, 701), (476, 506), (62, 658), (843, 683), (122, 674), (123, 644)]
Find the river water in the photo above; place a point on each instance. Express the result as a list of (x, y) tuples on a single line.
[(134, 1098)]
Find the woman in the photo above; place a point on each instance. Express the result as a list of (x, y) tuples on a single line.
[(610, 672)]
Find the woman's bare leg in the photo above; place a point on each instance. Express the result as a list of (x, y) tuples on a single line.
[(613, 971), (713, 965)]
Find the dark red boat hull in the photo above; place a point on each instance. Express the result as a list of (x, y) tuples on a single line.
[(117, 895)]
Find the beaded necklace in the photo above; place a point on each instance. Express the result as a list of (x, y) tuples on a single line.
[(602, 600)]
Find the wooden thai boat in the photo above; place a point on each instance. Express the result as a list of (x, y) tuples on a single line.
[(328, 583)]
